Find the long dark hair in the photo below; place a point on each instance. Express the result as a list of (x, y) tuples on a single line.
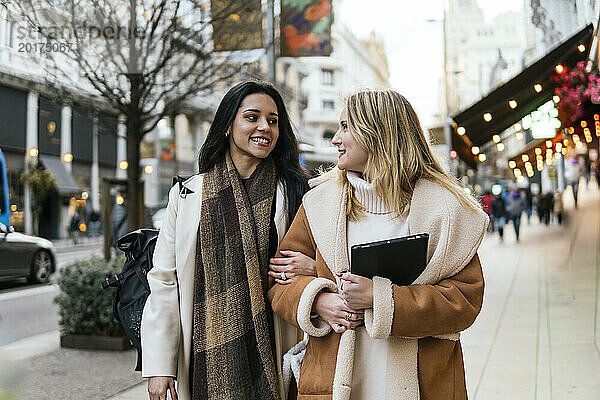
[(284, 154)]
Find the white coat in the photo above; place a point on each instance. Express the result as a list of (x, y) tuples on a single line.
[(166, 329)]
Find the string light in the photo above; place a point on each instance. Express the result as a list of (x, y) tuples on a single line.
[(512, 104), (525, 157), (500, 146), (583, 124), (519, 135), (496, 138), (581, 48), (538, 151), (512, 164), (461, 131), (487, 117), (537, 87), (556, 98), (517, 127), (482, 157), (559, 69), (475, 150)]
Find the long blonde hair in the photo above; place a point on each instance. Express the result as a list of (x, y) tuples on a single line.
[(384, 123)]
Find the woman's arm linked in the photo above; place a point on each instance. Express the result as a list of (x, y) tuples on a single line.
[(307, 296), (160, 327)]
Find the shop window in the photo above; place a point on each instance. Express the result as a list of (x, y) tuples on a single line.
[(328, 104), (327, 77), (328, 134)]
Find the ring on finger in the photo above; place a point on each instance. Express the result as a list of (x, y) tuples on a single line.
[(348, 317), (283, 277)]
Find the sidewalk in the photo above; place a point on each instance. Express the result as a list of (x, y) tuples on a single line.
[(536, 337)]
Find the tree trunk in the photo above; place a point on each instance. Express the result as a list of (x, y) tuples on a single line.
[(134, 206)]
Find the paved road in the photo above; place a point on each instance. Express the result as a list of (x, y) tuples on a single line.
[(27, 310)]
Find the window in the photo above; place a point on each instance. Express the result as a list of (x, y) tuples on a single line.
[(328, 105), (327, 77), (328, 134)]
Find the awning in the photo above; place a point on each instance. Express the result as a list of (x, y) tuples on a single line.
[(521, 89), (65, 184)]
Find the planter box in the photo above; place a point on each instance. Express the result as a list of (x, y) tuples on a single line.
[(90, 342)]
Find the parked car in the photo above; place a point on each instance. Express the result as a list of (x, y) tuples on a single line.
[(25, 256)]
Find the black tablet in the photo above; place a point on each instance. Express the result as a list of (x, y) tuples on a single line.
[(401, 260)]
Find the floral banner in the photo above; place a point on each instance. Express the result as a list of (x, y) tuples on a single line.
[(305, 28)]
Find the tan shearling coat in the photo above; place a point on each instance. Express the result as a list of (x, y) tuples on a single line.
[(424, 318)]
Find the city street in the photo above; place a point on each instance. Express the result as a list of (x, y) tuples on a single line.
[(27, 310), (536, 337)]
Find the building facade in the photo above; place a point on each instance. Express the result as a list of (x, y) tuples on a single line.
[(353, 64)]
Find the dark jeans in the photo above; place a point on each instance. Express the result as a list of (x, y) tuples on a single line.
[(516, 220)]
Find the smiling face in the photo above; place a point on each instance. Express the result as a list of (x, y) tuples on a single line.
[(351, 157), (255, 130)]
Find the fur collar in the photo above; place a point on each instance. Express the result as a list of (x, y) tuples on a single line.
[(455, 231)]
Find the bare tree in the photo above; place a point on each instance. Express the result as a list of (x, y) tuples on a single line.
[(147, 58)]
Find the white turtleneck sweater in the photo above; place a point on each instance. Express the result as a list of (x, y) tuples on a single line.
[(370, 375)]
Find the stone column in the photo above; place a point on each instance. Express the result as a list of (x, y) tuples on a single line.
[(95, 181), (31, 143), (65, 136), (121, 147)]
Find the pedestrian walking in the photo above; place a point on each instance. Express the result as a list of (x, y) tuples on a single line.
[(74, 227), (387, 184), (499, 214), (558, 206), (573, 171), (207, 323), (486, 205), (515, 205)]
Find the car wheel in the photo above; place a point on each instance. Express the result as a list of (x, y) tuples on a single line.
[(41, 267)]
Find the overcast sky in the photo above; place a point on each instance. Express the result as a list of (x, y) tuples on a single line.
[(413, 39)]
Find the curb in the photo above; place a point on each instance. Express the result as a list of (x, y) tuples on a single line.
[(31, 346)]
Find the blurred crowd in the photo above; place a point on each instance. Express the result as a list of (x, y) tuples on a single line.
[(508, 207)]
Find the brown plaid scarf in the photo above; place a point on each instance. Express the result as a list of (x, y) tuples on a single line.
[(233, 347)]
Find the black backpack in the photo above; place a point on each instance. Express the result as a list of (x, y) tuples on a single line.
[(132, 284)]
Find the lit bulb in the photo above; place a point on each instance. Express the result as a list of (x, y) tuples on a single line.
[(461, 131)]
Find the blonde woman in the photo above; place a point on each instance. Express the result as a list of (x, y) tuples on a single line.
[(387, 184)]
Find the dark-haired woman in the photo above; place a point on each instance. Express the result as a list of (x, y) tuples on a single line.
[(207, 323)]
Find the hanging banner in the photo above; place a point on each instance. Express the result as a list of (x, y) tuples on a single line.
[(305, 28), (237, 24)]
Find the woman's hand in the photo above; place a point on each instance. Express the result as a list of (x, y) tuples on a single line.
[(158, 386), (356, 291), (291, 266), (332, 308)]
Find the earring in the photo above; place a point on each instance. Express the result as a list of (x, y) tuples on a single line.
[(227, 134)]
